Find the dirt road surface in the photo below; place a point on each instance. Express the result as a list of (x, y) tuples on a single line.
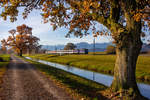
[(23, 81)]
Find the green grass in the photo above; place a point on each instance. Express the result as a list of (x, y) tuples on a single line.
[(97, 53), (143, 68), (4, 60), (75, 85), (99, 63), (5, 57)]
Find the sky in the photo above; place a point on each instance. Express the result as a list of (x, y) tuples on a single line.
[(45, 32)]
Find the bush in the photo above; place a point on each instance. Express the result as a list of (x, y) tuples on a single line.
[(111, 49)]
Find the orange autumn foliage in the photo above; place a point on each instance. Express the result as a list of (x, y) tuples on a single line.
[(21, 39)]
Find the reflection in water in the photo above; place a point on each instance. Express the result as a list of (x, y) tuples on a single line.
[(97, 77)]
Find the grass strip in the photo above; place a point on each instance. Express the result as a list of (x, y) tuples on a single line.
[(4, 60), (98, 63)]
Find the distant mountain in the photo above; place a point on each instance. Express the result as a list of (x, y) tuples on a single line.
[(81, 45), (99, 47), (53, 47), (145, 48), (90, 46)]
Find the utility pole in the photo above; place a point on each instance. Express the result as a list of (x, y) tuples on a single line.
[(94, 43), (55, 48), (94, 46), (47, 47)]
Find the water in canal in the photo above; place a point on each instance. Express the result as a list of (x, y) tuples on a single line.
[(94, 76)]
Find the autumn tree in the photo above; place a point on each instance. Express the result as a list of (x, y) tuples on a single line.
[(70, 46), (123, 18), (3, 49), (21, 39)]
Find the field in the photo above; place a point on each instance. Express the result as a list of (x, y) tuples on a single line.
[(100, 63)]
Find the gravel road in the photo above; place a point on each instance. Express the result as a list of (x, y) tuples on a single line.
[(23, 82)]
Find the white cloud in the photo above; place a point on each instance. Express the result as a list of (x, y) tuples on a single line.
[(44, 31), (90, 39)]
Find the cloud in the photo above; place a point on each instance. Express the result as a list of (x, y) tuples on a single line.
[(44, 31)]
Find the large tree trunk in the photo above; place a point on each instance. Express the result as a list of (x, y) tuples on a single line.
[(127, 52), (20, 54), (125, 66), (128, 46)]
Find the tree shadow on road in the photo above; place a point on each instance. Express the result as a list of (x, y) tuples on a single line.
[(80, 85)]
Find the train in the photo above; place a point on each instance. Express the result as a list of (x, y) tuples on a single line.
[(76, 51)]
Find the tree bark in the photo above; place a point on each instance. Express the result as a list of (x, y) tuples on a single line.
[(20, 54), (127, 51)]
